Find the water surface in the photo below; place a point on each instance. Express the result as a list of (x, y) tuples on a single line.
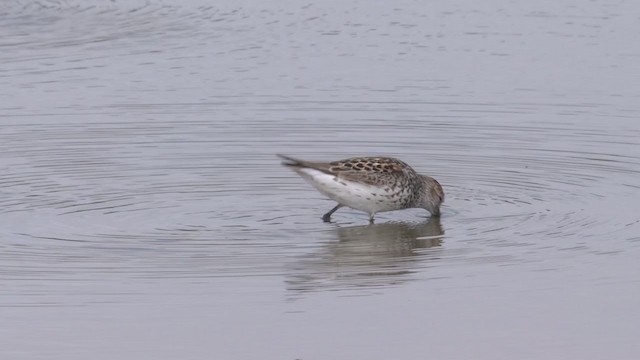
[(144, 214)]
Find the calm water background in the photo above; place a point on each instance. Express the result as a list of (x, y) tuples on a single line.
[(145, 216)]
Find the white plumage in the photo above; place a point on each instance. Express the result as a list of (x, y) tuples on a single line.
[(356, 195)]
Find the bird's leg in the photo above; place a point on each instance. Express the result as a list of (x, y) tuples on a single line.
[(327, 217), (371, 218)]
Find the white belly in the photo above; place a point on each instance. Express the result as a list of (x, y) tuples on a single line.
[(368, 198)]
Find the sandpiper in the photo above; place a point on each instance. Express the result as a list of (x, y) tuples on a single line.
[(370, 184)]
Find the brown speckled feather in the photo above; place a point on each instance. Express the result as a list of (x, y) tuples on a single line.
[(371, 170), (368, 170)]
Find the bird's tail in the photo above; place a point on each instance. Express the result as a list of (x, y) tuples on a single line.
[(297, 164), (292, 162)]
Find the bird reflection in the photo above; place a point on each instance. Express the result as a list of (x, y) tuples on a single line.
[(367, 256)]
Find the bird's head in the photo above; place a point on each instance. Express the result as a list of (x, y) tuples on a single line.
[(432, 196)]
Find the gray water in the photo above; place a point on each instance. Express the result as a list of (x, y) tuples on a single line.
[(144, 214)]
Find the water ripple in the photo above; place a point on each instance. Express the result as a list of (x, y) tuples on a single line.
[(106, 162)]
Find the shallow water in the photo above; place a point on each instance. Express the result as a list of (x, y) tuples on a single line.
[(144, 214)]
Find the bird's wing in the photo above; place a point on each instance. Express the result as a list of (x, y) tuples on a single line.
[(367, 170), (371, 170)]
